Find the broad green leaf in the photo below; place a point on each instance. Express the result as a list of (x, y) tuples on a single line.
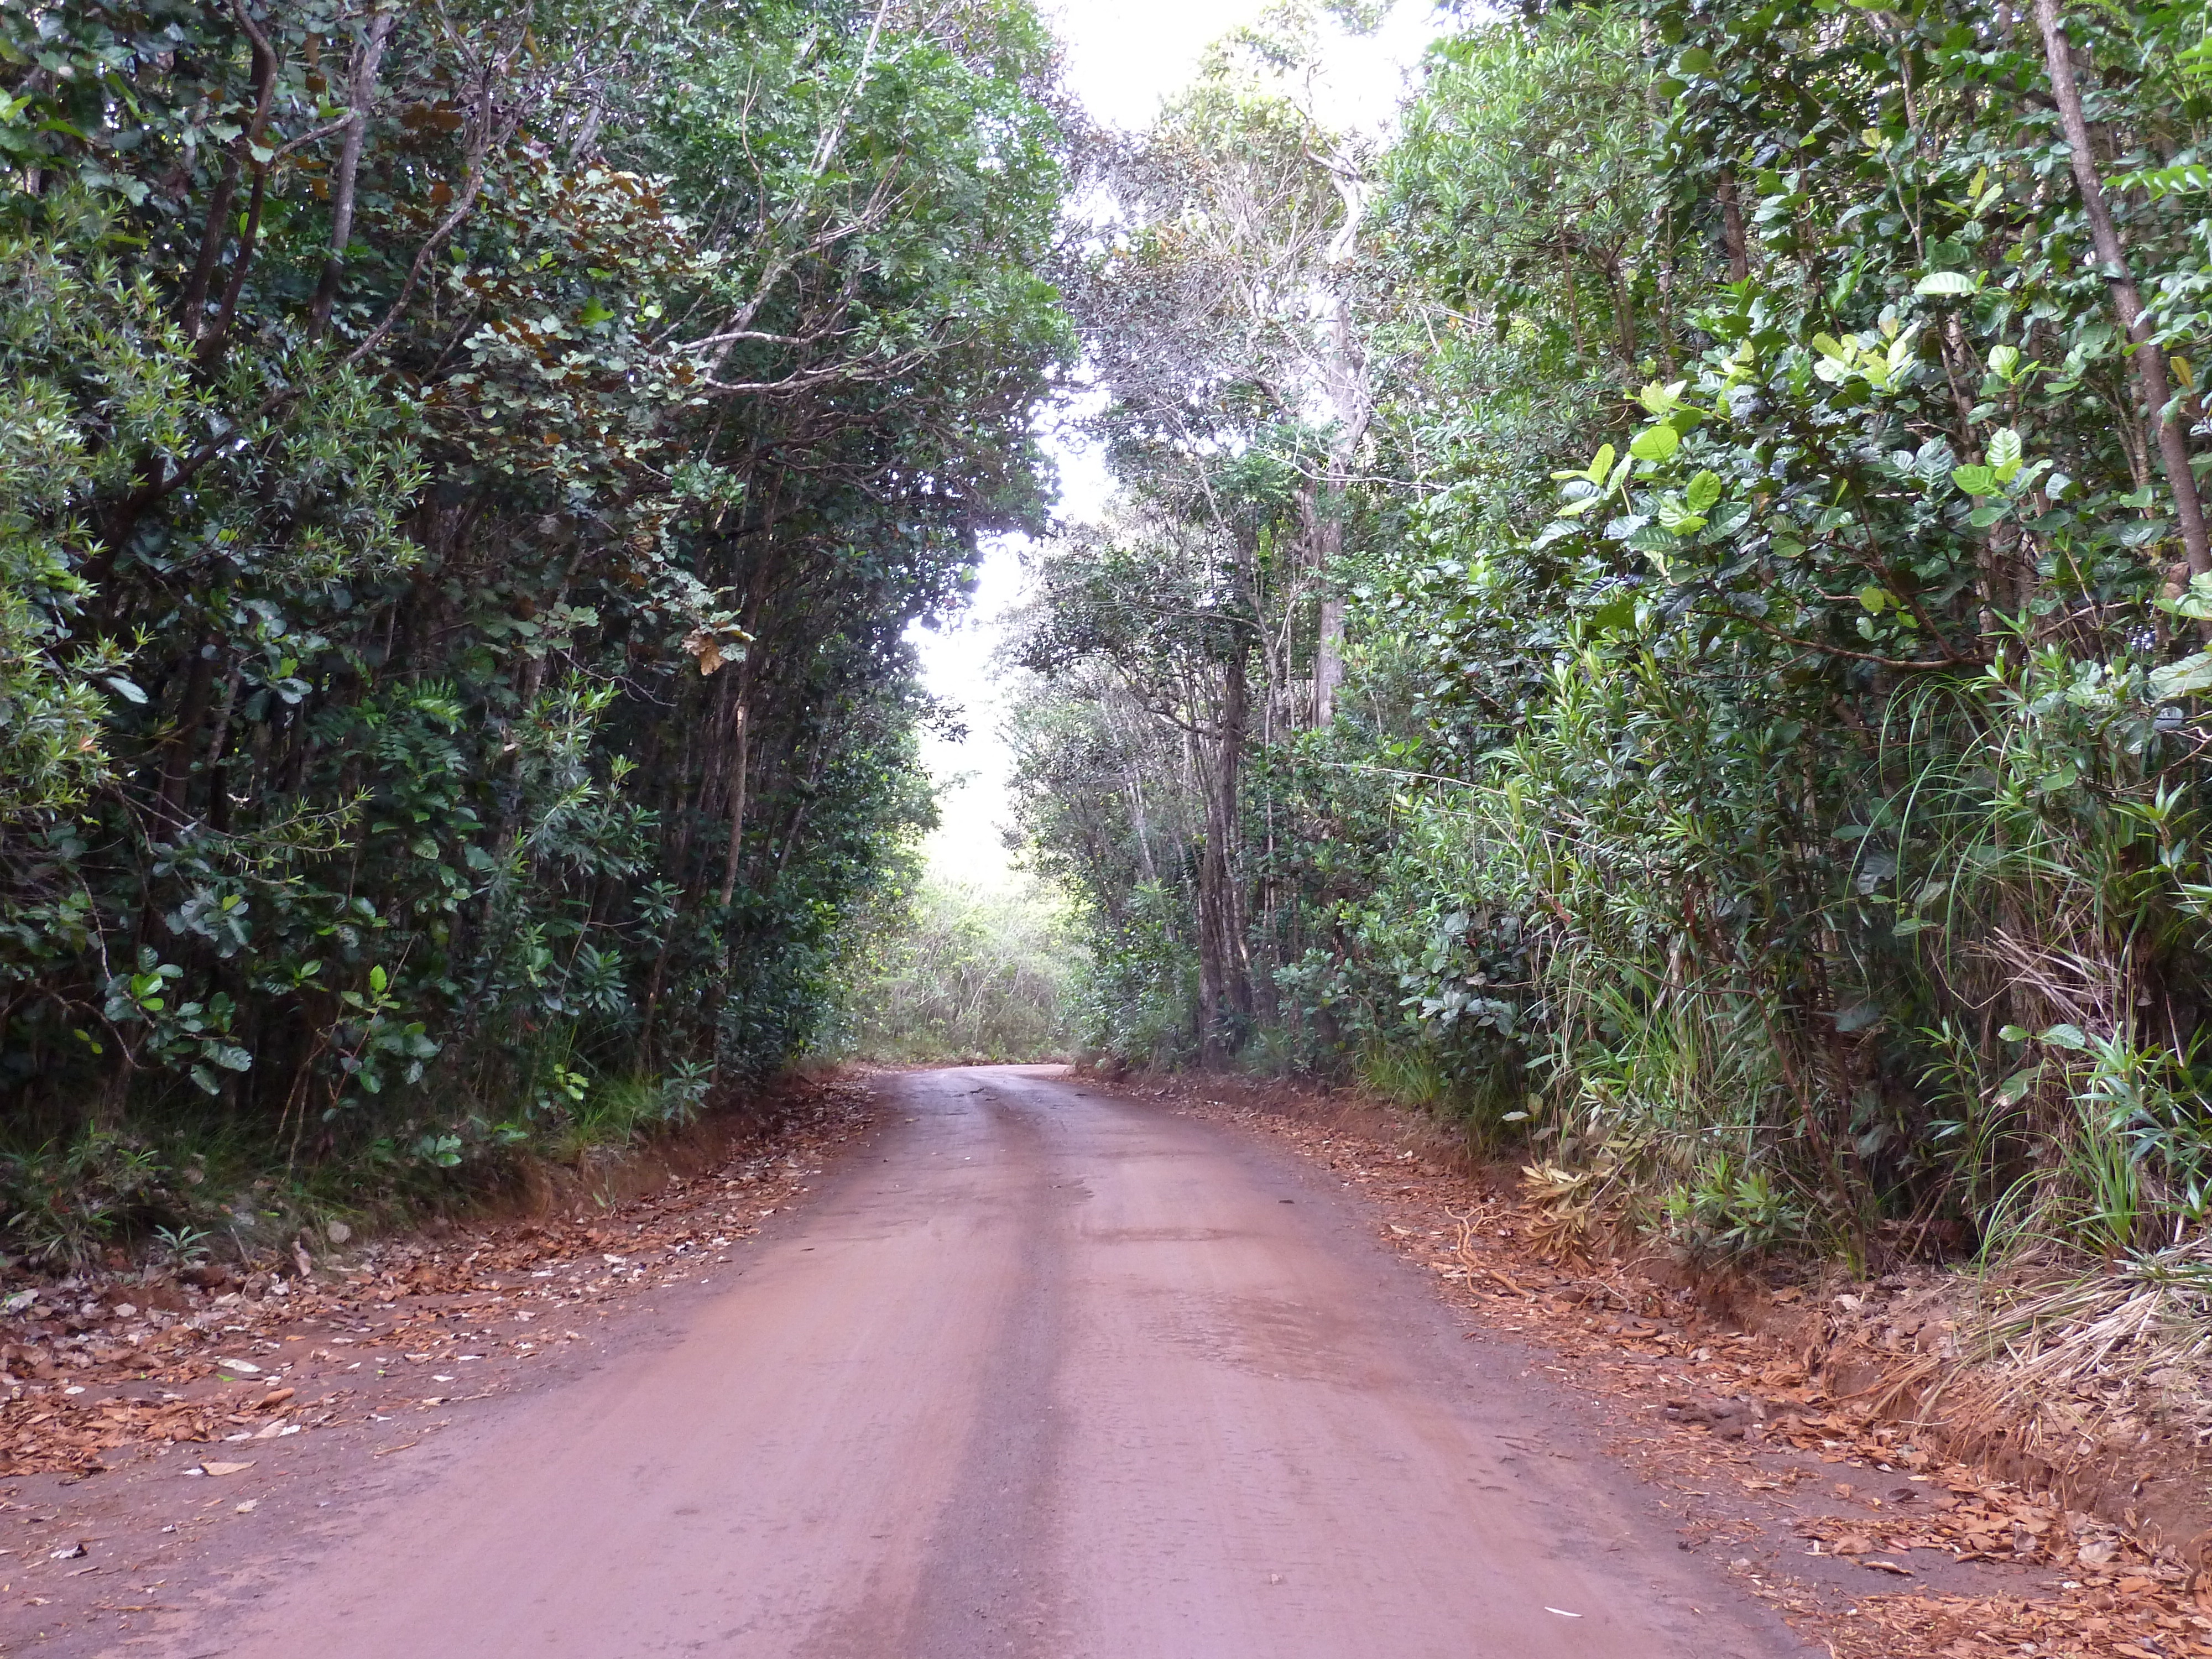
[(2066, 1036), (2004, 454), (1877, 599), (1975, 480), (1601, 466), (1946, 283), (1616, 615), (1655, 443), (378, 979), (2194, 602), (2185, 678), (1704, 489)]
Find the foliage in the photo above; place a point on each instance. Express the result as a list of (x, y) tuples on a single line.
[(967, 974), (1770, 773), (469, 471)]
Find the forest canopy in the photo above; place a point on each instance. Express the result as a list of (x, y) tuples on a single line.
[(468, 471), (1660, 612)]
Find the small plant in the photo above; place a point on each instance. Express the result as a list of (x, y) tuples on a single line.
[(1728, 1211), (70, 1202), (181, 1246)]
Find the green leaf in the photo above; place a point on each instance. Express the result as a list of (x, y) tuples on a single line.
[(1616, 615), (1601, 466), (1875, 599), (1975, 480), (2194, 602), (1704, 489), (1946, 283), (378, 979), (2185, 678), (1656, 443), (2065, 1037), (2005, 454), (125, 689)]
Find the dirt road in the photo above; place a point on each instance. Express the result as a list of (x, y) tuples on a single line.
[(1040, 1372)]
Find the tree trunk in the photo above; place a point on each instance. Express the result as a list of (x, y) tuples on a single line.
[(1344, 374), (366, 62), (1732, 239), (742, 743), (2127, 302), (1224, 987)]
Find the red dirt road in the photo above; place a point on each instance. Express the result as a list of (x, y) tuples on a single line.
[(1038, 1373)]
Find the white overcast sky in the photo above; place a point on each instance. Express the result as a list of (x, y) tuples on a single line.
[(1123, 58)]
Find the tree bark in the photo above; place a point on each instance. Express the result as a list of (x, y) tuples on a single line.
[(366, 62), (211, 338), (1732, 239), (2127, 302), (1344, 374), (1224, 989), (742, 741)]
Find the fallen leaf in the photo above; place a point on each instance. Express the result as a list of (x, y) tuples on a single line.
[(244, 1367), (226, 1468), (67, 1552), (1887, 1566)]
